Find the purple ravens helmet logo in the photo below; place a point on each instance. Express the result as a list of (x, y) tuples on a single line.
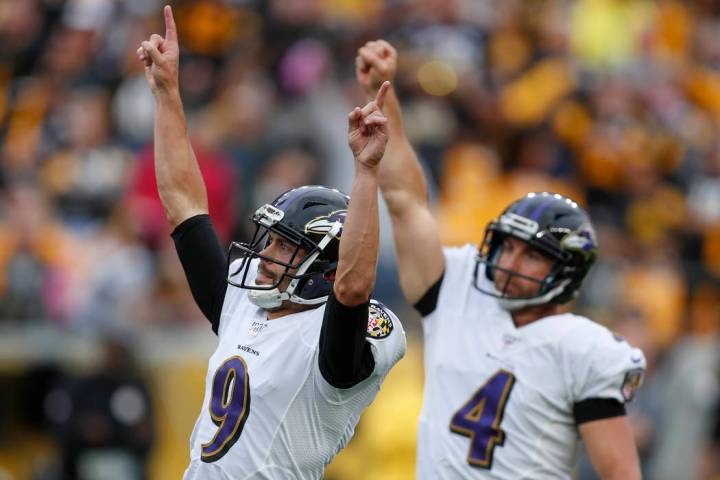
[(379, 322), (583, 240), (322, 225)]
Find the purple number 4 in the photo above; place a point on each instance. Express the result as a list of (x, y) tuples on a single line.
[(480, 418), (229, 407)]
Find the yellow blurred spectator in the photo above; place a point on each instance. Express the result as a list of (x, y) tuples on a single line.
[(528, 100), (474, 191), (610, 33), (655, 288), (671, 32)]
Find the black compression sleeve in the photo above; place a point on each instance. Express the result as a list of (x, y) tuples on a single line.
[(204, 263), (427, 304), (716, 426), (597, 409), (345, 356)]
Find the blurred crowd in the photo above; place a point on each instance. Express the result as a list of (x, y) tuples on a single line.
[(613, 102)]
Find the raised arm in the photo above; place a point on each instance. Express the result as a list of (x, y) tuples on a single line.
[(345, 357), (367, 136), (403, 185), (611, 447), (179, 181)]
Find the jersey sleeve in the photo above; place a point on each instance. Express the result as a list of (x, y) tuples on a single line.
[(458, 262), (605, 366), (428, 302), (386, 338), (454, 282)]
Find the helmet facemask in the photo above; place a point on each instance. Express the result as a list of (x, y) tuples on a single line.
[(307, 266)]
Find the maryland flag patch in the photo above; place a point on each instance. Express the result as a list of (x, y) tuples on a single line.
[(379, 323), (632, 381)]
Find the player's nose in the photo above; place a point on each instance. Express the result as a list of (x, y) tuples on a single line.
[(266, 251)]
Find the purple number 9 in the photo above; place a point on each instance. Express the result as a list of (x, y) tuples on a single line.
[(480, 418), (229, 407)]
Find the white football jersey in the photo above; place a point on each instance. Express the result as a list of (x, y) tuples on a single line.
[(268, 413), (498, 399)]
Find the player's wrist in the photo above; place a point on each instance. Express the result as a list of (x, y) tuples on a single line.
[(167, 93), (362, 167)]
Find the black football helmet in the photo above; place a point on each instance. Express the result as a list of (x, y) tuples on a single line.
[(310, 218), (557, 227)]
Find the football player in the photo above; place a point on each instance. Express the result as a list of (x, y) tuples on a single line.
[(301, 348), (511, 383)]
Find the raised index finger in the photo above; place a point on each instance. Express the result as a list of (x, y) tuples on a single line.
[(170, 30), (380, 97)]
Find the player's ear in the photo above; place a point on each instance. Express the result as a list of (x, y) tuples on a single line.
[(329, 275)]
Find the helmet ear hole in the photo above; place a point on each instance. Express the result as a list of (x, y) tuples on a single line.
[(329, 276)]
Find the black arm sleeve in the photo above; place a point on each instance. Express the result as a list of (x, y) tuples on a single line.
[(345, 356), (597, 409), (716, 426), (204, 263), (427, 304)]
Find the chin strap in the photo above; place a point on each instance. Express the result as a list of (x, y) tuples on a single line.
[(272, 299), (514, 304), (267, 299)]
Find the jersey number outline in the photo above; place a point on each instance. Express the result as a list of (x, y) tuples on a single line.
[(229, 407), (480, 418)]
